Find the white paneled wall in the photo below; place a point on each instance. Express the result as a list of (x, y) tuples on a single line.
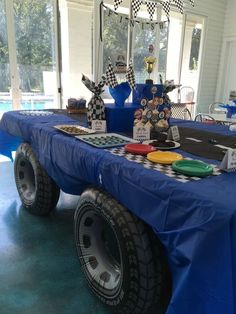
[(214, 11), (230, 19)]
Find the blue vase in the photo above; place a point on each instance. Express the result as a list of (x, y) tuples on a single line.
[(120, 93)]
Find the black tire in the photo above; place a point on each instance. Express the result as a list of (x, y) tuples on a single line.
[(125, 274), (38, 192)]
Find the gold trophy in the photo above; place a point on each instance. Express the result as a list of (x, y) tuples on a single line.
[(150, 63)]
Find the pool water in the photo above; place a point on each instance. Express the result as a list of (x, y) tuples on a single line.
[(25, 105)]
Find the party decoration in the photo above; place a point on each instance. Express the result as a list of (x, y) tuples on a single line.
[(136, 7), (96, 110), (130, 75), (120, 93), (111, 79), (152, 5), (150, 62), (136, 4), (155, 113)]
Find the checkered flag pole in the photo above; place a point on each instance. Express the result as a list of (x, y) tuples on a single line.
[(117, 3), (151, 7), (111, 79), (166, 7), (179, 4), (130, 75), (136, 7)]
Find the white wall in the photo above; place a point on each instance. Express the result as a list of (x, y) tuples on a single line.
[(230, 19), (76, 42), (214, 11), (227, 77)]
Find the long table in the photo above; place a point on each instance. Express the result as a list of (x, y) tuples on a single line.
[(195, 220)]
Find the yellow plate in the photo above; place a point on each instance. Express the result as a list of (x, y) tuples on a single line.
[(165, 158)]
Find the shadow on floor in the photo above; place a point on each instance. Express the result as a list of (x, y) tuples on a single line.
[(39, 269)]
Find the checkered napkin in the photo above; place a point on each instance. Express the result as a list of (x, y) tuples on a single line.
[(151, 7), (111, 79), (165, 169), (117, 3), (136, 7), (130, 75), (179, 4)]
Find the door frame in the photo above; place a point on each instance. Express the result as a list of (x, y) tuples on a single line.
[(223, 68), (15, 91)]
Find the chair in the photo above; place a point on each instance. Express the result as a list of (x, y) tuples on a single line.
[(215, 108), (186, 94), (179, 111), (205, 118)]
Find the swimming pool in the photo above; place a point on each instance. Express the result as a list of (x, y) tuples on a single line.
[(26, 105)]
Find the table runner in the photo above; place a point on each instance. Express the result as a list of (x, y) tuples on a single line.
[(198, 142)]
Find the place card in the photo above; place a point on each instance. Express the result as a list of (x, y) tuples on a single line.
[(100, 126), (228, 163), (173, 133), (141, 133)]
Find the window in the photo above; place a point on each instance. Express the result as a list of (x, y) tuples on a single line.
[(176, 45)]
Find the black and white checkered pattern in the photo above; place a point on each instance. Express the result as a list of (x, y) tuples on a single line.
[(130, 75), (166, 7), (165, 169), (111, 79), (96, 110), (151, 7), (136, 7), (179, 4), (117, 3), (191, 2)]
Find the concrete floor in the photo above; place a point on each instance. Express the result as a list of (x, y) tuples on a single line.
[(39, 270)]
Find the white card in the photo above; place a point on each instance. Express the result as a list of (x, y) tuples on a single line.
[(229, 161), (173, 133), (141, 133), (99, 126)]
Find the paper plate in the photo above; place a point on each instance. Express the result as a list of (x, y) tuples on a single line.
[(164, 157), (192, 168), (140, 149), (176, 145)]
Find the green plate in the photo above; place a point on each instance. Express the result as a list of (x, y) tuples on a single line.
[(192, 168)]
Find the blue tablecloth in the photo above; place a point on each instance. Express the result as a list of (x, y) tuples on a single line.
[(196, 221)]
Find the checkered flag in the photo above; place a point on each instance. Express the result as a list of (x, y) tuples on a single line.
[(191, 2), (179, 4), (117, 3), (151, 6), (166, 7), (130, 75), (136, 6), (111, 79)]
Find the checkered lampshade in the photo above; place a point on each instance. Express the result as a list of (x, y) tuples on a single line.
[(130, 75)]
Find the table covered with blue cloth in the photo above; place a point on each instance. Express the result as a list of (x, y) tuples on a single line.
[(195, 220)]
